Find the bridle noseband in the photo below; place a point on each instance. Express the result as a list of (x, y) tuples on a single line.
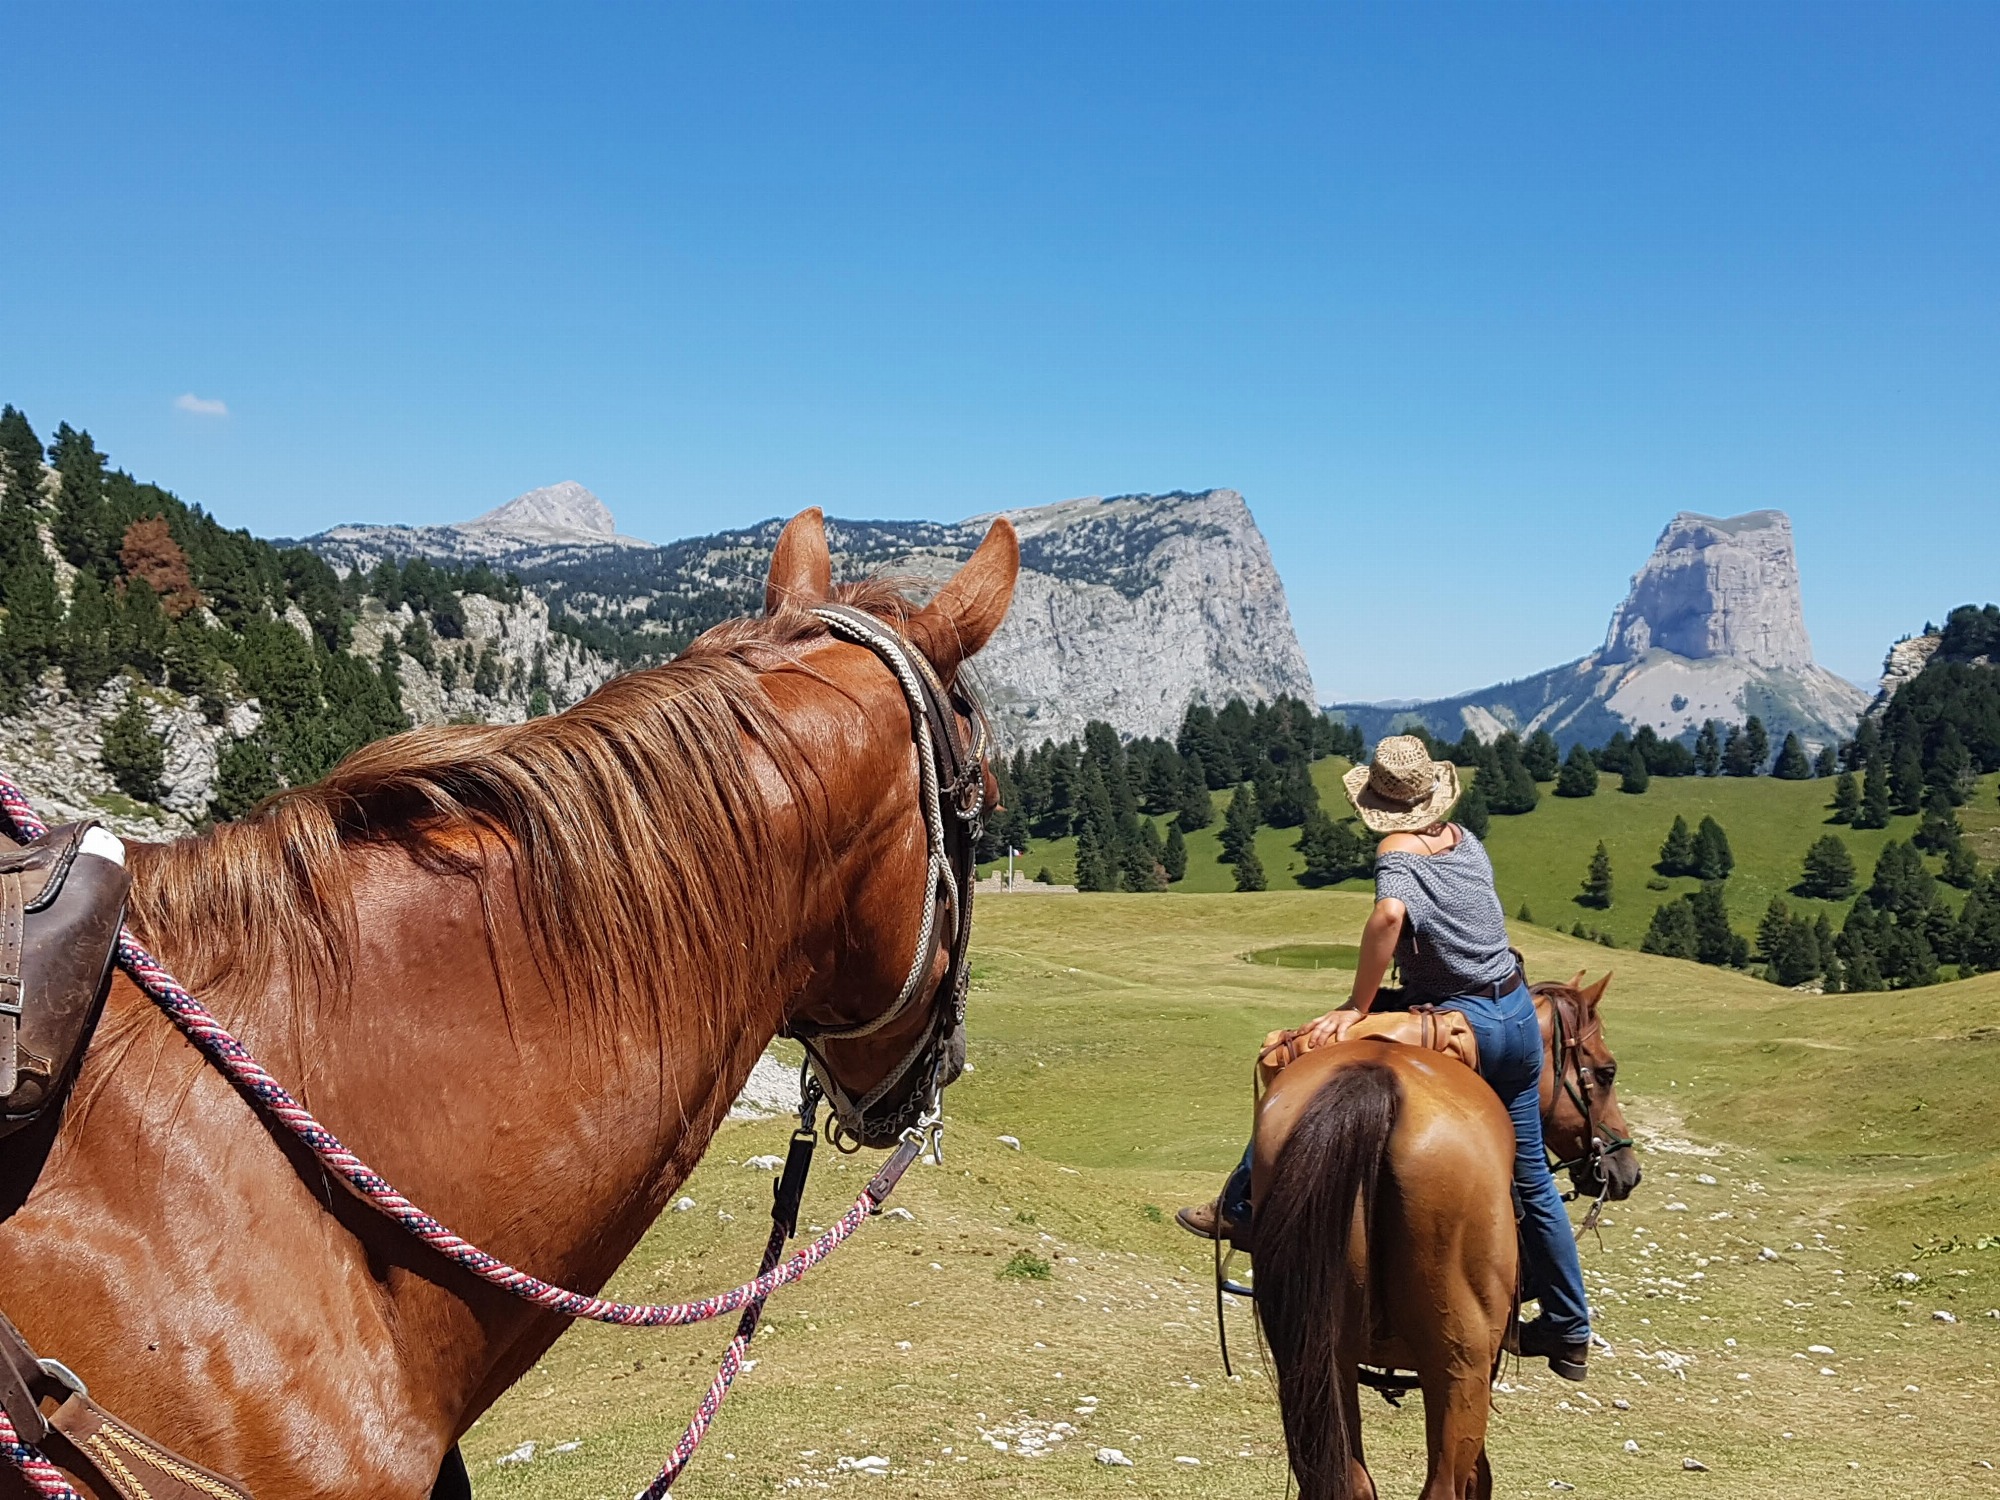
[(952, 788)]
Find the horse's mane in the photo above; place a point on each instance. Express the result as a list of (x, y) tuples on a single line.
[(637, 837)]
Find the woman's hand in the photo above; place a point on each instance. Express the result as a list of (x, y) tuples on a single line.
[(1330, 1028)]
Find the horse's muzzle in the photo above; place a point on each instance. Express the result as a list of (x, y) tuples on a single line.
[(1612, 1176)]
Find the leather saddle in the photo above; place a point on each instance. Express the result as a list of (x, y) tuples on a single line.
[(62, 901)]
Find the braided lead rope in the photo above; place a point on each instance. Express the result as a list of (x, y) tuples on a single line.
[(234, 1060), (43, 1477)]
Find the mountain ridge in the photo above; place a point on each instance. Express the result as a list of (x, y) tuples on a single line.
[(1129, 607)]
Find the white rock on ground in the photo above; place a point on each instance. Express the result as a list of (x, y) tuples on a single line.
[(1012, 1143), (1113, 1458), (525, 1454)]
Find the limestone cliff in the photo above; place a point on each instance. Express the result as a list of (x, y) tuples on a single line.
[(1713, 627)]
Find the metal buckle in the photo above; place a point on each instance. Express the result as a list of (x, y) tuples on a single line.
[(64, 1376), (928, 1133), (10, 995)]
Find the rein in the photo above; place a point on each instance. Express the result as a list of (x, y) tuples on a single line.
[(919, 1119)]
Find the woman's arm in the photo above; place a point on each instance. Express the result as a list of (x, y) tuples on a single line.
[(1378, 948)]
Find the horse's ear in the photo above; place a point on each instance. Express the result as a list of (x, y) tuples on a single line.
[(1576, 979), (1596, 992), (968, 609), (801, 569)]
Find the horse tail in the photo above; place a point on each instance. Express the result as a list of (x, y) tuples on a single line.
[(1333, 1162)]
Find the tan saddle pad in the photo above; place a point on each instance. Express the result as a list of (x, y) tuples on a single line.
[(1443, 1031)]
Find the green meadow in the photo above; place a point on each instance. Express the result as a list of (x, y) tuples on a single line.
[(1539, 858), (1821, 1183)]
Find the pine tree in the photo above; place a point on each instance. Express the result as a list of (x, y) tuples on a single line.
[(1637, 777), (1827, 763), (1671, 933), (134, 756), (87, 660), (149, 551), (1249, 870), (20, 491), (1677, 855), (1756, 744), (1829, 869), (1714, 941), (1541, 756), (1471, 812), (1597, 881), (1513, 790), (1196, 803), (1096, 869), (1175, 856), (81, 525), (1239, 825), (1939, 831), (1736, 759), (1708, 749), (1846, 804), (1712, 857), (1579, 774), (1875, 800), (1961, 867), (244, 776), (1792, 763), (1906, 781)]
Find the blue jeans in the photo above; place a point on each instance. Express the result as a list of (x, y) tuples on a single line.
[(1510, 1059)]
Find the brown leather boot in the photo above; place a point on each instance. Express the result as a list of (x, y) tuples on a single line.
[(1533, 1341), (1208, 1221)]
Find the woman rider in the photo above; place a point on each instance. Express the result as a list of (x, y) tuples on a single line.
[(1437, 914)]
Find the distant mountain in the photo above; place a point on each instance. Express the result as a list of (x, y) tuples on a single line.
[(1128, 610), (1713, 628), (555, 524)]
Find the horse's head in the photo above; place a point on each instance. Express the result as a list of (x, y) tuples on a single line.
[(880, 1004), (1583, 1122)]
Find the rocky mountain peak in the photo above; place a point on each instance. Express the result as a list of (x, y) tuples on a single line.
[(566, 509), (1717, 588)]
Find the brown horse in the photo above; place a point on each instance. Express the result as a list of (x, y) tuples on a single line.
[(521, 970), (1385, 1232)]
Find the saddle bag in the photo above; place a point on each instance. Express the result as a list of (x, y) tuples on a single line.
[(62, 901)]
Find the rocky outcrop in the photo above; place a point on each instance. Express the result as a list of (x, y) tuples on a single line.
[(54, 745), (1130, 609), (1717, 589), (1903, 665), (1713, 628)]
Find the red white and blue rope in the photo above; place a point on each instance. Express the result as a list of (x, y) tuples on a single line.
[(43, 1477), (214, 1040)]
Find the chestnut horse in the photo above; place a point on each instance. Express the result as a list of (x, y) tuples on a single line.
[(1385, 1232), (523, 971)]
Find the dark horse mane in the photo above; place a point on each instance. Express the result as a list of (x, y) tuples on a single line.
[(631, 822)]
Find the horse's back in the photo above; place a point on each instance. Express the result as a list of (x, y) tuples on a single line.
[(1440, 1262)]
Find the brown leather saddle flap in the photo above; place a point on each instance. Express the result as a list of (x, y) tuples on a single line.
[(60, 911), (1442, 1031)]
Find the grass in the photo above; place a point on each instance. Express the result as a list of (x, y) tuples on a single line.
[(1113, 1036), (1539, 858)]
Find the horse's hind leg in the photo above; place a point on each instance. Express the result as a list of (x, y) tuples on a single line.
[(1360, 1484), (1456, 1404)]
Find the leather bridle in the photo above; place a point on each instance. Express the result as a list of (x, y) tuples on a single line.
[(952, 797), (1573, 1075)]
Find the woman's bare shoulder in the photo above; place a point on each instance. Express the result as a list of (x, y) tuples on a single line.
[(1401, 843)]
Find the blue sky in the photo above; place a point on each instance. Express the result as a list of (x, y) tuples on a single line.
[(1466, 301)]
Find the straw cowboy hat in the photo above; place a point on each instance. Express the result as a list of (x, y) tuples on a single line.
[(1402, 789)]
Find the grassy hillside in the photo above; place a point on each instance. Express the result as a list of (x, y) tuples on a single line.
[(1112, 1036), (1539, 857)]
